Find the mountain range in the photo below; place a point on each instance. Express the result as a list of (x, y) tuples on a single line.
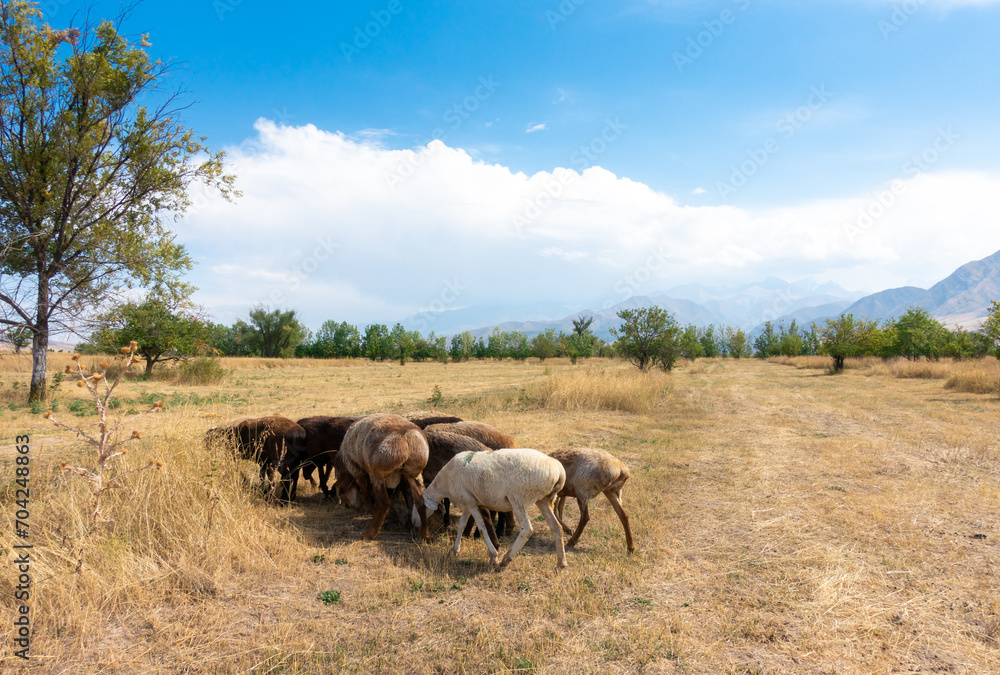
[(961, 299)]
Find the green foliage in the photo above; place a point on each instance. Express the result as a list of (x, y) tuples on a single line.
[(90, 175), (735, 343), (691, 345), (376, 343), (463, 347), (648, 336), (333, 340), (207, 370), (545, 344), (792, 342), (163, 331), (916, 334), (329, 597), (767, 343), (508, 344), (436, 396), (274, 333), (709, 342), (844, 337), (19, 337), (991, 328)]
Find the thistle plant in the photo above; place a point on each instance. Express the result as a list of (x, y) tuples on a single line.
[(108, 441)]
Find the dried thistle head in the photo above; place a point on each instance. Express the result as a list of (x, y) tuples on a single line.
[(97, 377), (159, 464), (76, 357), (47, 415), (133, 345), (69, 371), (103, 365), (135, 359), (158, 404), (80, 383), (62, 465), (125, 350), (136, 434)]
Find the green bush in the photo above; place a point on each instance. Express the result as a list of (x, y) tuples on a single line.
[(207, 370)]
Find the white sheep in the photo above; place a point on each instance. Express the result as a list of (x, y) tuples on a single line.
[(503, 480)]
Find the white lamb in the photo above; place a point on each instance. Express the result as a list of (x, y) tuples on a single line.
[(503, 480)]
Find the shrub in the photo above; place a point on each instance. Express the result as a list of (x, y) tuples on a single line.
[(206, 370)]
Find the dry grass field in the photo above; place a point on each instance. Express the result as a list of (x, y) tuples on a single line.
[(786, 521)]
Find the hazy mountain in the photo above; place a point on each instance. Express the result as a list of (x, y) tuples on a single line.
[(452, 321), (685, 311), (962, 298), (749, 305)]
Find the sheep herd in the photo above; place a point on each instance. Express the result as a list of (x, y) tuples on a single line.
[(471, 465)]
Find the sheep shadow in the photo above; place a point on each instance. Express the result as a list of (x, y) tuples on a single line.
[(323, 523)]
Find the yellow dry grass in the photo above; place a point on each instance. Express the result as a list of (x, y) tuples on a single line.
[(786, 522)]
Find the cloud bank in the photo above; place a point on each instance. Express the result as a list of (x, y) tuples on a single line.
[(342, 228)]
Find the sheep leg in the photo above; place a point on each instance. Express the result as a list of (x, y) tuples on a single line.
[(584, 519), (616, 503), (418, 500), (488, 519), (324, 478), (478, 515), (560, 503), (545, 506), (382, 506), (366, 490), (463, 519), (307, 473), (522, 517)]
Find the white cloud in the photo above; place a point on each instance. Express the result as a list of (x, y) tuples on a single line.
[(699, 191), (532, 128), (341, 228)]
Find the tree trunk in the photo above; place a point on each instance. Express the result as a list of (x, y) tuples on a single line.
[(149, 365), (39, 361)]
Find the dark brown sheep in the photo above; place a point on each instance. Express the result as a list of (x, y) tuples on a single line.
[(378, 453), (424, 422), (590, 472), (265, 440), (488, 435), (324, 435)]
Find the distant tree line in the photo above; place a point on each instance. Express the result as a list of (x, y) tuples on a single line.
[(167, 329)]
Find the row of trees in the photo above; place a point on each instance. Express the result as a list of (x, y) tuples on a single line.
[(647, 336)]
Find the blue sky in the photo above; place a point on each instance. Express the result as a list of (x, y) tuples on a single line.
[(739, 138)]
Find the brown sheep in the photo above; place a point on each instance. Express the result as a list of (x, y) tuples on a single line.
[(424, 422), (590, 472), (378, 453), (265, 440), (324, 436), (488, 435)]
